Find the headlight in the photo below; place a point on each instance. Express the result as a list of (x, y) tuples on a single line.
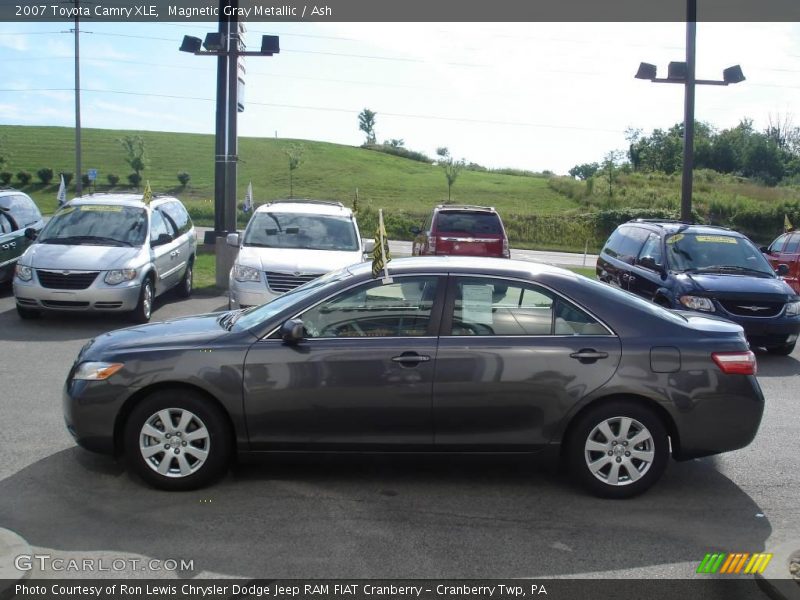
[(120, 276), (793, 309), (23, 272), (96, 371), (242, 273), (697, 303)]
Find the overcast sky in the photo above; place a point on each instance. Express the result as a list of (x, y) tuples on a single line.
[(526, 95)]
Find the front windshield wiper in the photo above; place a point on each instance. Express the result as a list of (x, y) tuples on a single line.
[(256, 245), (77, 239), (727, 268)]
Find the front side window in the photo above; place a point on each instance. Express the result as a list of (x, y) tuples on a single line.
[(398, 309), (652, 249), (489, 307), (301, 231), (177, 213), (720, 253), (777, 245), (159, 226), (793, 245), (6, 224), (96, 224), (22, 209)]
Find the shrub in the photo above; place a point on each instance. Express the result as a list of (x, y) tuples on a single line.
[(112, 179), (85, 180), (45, 175), (183, 178), (24, 177), (135, 179), (399, 151), (5, 177), (67, 178)]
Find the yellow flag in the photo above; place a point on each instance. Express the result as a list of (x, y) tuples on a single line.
[(380, 254), (787, 224), (148, 193)]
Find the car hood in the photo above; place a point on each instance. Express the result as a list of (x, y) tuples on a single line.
[(293, 260), (80, 258), (737, 286), (186, 332)]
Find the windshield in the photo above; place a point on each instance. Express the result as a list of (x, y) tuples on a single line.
[(694, 252), (97, 224), (298, 230), (259, 314)]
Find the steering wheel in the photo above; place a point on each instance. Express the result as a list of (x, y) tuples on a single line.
[(474, 328), (337, 329)]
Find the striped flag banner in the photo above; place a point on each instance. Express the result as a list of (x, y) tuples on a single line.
[(380, 254), (734, 563), (147, 197)]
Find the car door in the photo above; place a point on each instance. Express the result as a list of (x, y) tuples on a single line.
[(362, 377), (513, 358), (644, 278), (12, 243), (163, 251), (185, 239), (790, 256)]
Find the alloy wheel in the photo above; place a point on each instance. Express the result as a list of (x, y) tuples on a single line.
[(619, 451), (174, 442)]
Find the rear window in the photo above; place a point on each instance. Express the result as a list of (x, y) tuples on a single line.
[(469, 222)]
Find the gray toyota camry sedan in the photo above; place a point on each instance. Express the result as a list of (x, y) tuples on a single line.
[(447, 354)]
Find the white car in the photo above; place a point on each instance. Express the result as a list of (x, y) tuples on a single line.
[(289, 242)]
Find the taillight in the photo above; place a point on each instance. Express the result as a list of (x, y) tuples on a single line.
[(506, 249), (432, 244), (736, 363)]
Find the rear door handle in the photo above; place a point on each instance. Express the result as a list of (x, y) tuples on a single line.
[(410, 359), (588, 355)]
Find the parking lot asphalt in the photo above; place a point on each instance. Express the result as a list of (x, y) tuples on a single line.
[(374, 516)]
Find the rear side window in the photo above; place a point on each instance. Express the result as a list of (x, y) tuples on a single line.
[(471, 223), (22, 209), (625, 243), (177, 213)]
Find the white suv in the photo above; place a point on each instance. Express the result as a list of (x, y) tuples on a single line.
[(287, 243)]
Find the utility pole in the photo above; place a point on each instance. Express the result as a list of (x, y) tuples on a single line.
[(687, 177), (220, 152), (233, 107), (78, 180)]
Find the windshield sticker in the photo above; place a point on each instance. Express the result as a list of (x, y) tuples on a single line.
[(65, 211), (99, 208), (675, 238), (476, 304), (716, 239)]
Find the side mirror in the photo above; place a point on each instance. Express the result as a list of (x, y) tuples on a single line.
[(292, 331), (232, 240), (369, 246), (163, 238), (765, 250), (782, 270), (648, 262), (31, 233), (415, 230)]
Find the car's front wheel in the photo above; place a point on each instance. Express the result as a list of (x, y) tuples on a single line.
[(144, 308), (185, 286), (177, 440), (618, 449), (27, 313)]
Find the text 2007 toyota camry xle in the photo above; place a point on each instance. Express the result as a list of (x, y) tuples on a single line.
[(447, 355)]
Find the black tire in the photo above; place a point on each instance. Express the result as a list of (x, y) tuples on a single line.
[(184, 289), (623, 459), (28, 313), (144, 308), (782, 350), (208, 421)]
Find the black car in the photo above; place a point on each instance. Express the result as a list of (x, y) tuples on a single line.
[(708, 269), (448, 354), (18, 213)]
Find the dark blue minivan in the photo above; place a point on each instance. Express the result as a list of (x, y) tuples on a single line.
[(707, 269)]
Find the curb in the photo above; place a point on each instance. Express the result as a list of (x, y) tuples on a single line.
[(11, 546), (776, 581)]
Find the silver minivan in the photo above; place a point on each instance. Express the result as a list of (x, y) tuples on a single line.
[(109, 253)]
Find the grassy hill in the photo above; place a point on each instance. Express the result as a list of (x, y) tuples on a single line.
[(327, 171)]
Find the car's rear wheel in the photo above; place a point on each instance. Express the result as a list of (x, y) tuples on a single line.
[(618, 449), (144, 309), (177, 440), (27, 313), (782, 350), (185, 286)]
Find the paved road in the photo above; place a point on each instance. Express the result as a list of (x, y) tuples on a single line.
[(376, 516)]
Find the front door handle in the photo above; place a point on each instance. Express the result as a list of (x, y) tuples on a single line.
[(588, 355), (410, 359)]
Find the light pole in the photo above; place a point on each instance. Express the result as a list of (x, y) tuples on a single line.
[(684, 73), (226, 45)]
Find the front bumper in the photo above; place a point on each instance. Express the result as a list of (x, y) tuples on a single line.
[(246, 294), (99, 296), (769, 331), (90, 412)]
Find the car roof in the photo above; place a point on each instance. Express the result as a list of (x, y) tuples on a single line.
[(311, 207), (465, 264), (132, 200), (679, 226), (465, 207)]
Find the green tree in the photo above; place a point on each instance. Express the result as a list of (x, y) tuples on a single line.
[(294, 154), (610, 169), (450, 166), (135, 156), (584, 171), (366, 123), (5, 155)]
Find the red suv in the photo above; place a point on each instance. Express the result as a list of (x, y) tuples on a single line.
[(463, 231), (785, 250)]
